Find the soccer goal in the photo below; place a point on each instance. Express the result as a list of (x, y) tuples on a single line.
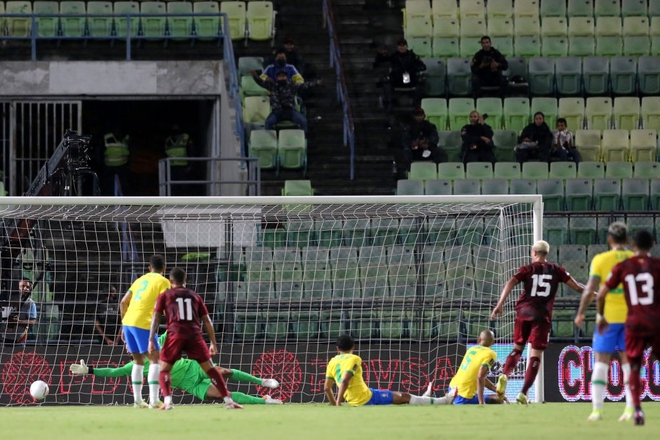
[(413, 279)]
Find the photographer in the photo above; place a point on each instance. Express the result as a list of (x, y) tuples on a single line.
[(487, 67), (405, 67), (420, 141), (477, 139)]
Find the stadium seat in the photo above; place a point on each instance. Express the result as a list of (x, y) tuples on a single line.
[(235, 11), (635, 194), (292, 149), (647, 170), (153, 26), (619, 170), (73, 26), (467, 187), (580, 271), (563, 170), (516, 113), (450, 141), (581, 36), (419, 33), (438, 187), (451, 171), (523, 186), (47, 26), (596, 75), (459, 76), (472, 27), (504, 141), (180, 26), (528, 26), (599, 113), (500, 27), (615, 147), (416, 8), (526, 9), (207, 26), (100, 26), (651, 112), (579, 194), (636, 40), (19, 26), (472, 9), (654, 32), (554, 35), (555, 231), (446, 37), (607, 194), (507, 170), (607, 8), (549, 107), (634, 8), (423, 171), (527, 42), (541, 76), (572, 109), (654, 8), (495, 186), (588, 143), (255, 110), (503, 44), (626, 113), (436, 111), (591, 170), (553, 8), (568, 75), (635, 223), (569, 252), (263, 145), (535, 170), (583, 230), (655, 194), (580, 8), (297, 188), (467, 46), (595, 249), (384, 231), (260, 21), (492, 107), (459, 112), (121, 10), (435, 77), (623, 75), (648, 75), (552, 191), (609, 41), (299, 234), (479, 170), (444, 8)]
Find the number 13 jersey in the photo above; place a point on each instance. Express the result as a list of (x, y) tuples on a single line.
[(540, 283)]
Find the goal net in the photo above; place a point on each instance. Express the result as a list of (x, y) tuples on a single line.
[(412, 279)]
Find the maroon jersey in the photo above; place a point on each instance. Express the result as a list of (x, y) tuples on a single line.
[(640, 277), (540, 283), (183, 309)]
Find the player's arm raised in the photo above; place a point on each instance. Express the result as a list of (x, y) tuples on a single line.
[(329, 384), (508, 287), (345, 380), (588, 294), (482, 384)]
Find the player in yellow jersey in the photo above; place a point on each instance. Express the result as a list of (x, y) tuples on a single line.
[(345, 370), (468, 385), (137, 309), (616, 311)]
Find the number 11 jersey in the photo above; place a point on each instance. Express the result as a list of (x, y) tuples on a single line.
[(183, 310), (540, 283)]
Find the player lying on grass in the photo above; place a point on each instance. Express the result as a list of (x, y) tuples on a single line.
[(345, 370), (469, 383), (188, 376)]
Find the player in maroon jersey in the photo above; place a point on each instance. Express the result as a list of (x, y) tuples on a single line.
[(640, 275), (533, 312), (184, 310)]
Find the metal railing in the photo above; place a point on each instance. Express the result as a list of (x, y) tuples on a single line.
[(342, 88)]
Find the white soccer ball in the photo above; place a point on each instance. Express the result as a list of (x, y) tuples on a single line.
[(39, 390)]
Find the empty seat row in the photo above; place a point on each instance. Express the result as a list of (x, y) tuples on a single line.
[(288, 149)]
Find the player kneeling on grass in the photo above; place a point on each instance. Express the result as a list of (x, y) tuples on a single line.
[(467, 387), (345, 369), (184, 309), (188, 376)]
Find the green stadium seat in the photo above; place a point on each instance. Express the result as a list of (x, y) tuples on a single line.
[(460, 280), (535, 170), (553, 194), (292, 149), (616, 149), (438, 187), (255, 110), (527, 46), (472, 9), (435, 77), (654, 31), (588, 143), (555, 231), (406, 187), (436, 111), (263, 145), (581, 33), (446, 27), (306, 325), (635, 194), (246, 64), (208, 26), (618, 170), (479, 170), (647, 170), (525, 9), (495, 186), (607, 8), (434, 279), (153, 26), (609, 41), (328, 232), (400, 254), (450, 141), (297, 188), (626, 113), (648, 75), (180, 26), (235, 11), (276, 324), (635, 223), (553, 8), (634, 8), (247, 325), (423, 171), (523, 186), (500, 27), (563, 170), (504, 141), (492, 107), (591, 170), (528, 26), (260, 21), (541, 76), (444, 8), (651, 112), (596, 75), (579, 194), (549, 107), (459, 112), (623, 75), (607, 194), (249, 87), (599, 113), (18, 26), (636, 41), (467, 45), (654, 8), (579, 270), (554, 35), (467, 187), (643, 146), (572, 109), (416, 8), (595, 249), (459, 254), (459, 76), (451, 171), (47, 26), (121, 10), (384, 231), (516, 113), (583, 230), (580, 8), (419, 32), (332, 323), (507, 170), (568, 75), (299, 234), (445, 47), (655, 194), (73, 26), (569, 252), (100, 26)]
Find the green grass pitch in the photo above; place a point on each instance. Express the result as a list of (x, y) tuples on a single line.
[(556, 421)]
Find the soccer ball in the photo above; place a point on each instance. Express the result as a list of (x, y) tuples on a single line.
[(39, 390)]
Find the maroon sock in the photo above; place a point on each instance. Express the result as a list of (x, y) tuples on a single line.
[(511, 362), (530, 374), (635, 387), (165, 383), (218, 381)]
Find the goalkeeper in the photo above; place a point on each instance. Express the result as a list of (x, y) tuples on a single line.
[(188, 376)]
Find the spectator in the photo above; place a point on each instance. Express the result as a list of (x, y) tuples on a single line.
[(477, 139), (283, 99), (535, 141), (405, 68), (22, 317), (293, 57), (562, 143), (487, 66), (178, 146), (107, 318), (281, 65), (420, 141)]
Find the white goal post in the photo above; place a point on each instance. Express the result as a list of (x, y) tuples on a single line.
[(412, 278)]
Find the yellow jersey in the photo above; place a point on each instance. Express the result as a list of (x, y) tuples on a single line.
[(465, 378), (357, 393), (616, 309), (145, 290)]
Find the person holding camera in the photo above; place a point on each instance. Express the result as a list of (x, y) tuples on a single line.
[(477, 139), (420, 141), (405, 67), (487, 67)]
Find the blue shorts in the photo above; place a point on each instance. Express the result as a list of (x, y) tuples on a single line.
[(460, 400), (137, 339), (614, 339), (380, 397)]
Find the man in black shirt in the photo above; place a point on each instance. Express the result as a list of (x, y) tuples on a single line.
[(405, 67), (477, 141), (487, 66), (420, 141)]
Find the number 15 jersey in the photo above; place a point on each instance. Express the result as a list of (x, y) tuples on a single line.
[(183, 310), (540, 283)]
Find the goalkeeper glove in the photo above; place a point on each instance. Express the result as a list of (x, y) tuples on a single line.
[(79, 369)]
